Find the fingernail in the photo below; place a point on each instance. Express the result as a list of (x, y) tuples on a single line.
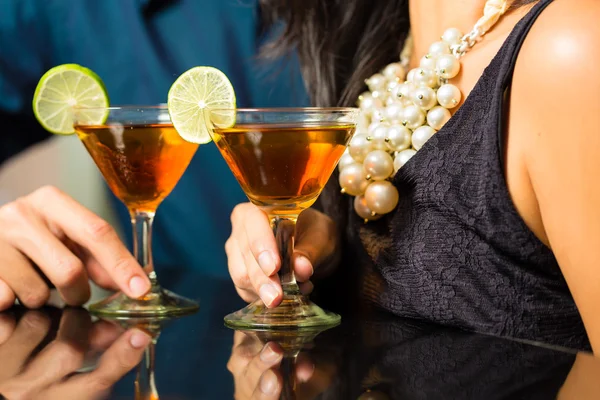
[(305, 375), (268, 382), (139, 340), (138, 286), (268, 355), (266, 262), (304, 263), (268, 293)]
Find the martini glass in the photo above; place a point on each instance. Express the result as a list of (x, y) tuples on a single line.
[(282, 159), (142, 157)]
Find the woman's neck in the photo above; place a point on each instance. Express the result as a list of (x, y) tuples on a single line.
[(430, 18)]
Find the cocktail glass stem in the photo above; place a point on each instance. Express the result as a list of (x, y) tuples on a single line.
[(142, 244), (288, 372), (145, 384), (158, 301), (284, 229)]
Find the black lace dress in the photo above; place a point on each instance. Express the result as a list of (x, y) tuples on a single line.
[(455, 251)]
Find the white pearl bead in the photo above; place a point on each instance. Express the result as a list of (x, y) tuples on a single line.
[(393, 112), (399, 137), (376, 82), (424, 97), (439, 48), (380, 94), (368, 104), (428, 62), (403, 91), (378, 165), (359, 147), (372, 126), (378, 136), (362, 97), (410, 77), (413, 117), (391, 85), (437, 117), (363, 211), (345, 160), (353, 179), (378, 114), (452, 36), (402, 158), (449, 96), (394, 72), (381, 197), (390, 100), (425, 77), (421, 135), (447, 66)]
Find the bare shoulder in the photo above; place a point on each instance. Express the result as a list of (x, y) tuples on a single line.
[(556, 70), (565, 39), (554, 107), (553, 125)]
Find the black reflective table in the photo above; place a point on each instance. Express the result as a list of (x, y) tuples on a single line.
[(53, 352)]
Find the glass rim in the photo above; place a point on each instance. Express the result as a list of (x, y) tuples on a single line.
[(243, 109), (127, 107), (283, 110)]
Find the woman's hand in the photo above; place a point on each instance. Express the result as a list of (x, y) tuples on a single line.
[(254, 260), (48, 239), (52, 372)]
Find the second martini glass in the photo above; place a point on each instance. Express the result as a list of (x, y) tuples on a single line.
[(142, 157), (282, 158)]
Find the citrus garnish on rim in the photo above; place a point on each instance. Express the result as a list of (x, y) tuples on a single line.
[(193, 95), (64, 87)]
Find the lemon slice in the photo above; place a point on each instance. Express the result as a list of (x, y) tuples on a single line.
[(62, 88), (194, 93)]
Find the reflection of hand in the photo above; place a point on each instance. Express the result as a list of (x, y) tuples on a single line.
[(49, 374), (254, 260), (49, 235), (255, 368)]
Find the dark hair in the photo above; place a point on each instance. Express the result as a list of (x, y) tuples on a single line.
[(340, 43)]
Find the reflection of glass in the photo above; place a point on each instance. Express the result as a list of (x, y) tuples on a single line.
[(282, 159), (145, 384), (142, 157), (292, 343)]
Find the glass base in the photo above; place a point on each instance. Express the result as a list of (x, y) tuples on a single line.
[(294, 312), (159, 303)]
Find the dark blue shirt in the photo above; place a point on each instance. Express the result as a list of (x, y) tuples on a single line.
[(139, 47)]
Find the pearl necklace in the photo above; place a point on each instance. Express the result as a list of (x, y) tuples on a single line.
[(401, 112)]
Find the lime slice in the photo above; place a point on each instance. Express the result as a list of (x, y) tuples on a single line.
[(62, 88), (194, 93)]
